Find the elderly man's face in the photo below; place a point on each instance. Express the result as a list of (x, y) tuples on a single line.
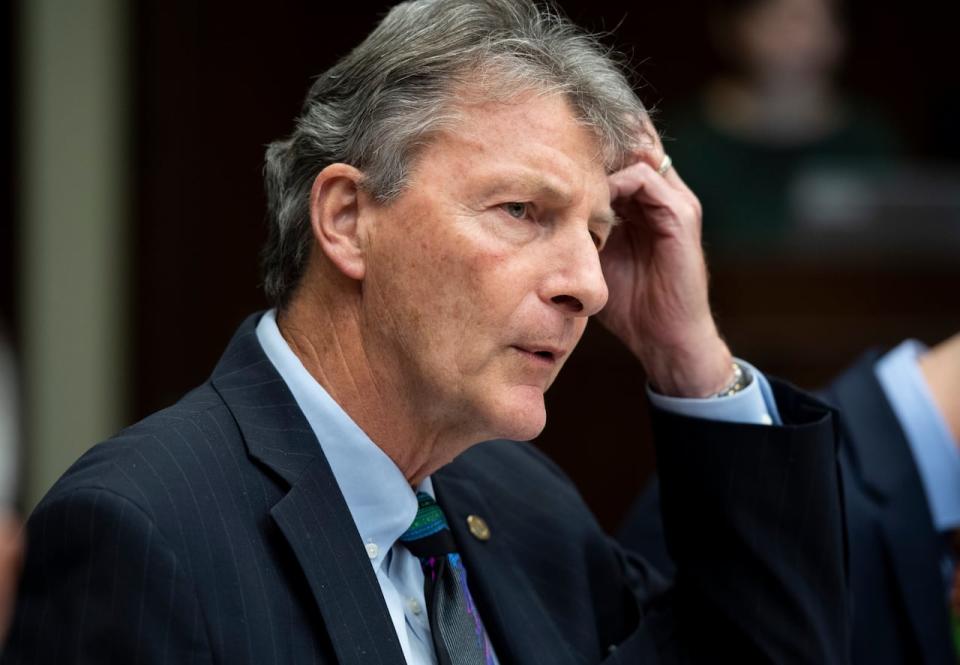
[(481, 275)]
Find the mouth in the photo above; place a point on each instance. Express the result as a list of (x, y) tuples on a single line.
[(545, 355)]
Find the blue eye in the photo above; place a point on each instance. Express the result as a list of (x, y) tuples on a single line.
[(515, 209)]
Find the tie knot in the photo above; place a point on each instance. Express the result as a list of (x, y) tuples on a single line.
[(429, 535)]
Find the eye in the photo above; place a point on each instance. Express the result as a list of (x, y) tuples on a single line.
[(600, 237), (516, 209)]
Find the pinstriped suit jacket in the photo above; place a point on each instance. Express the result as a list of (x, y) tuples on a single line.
[(214, 532), (899, 607)]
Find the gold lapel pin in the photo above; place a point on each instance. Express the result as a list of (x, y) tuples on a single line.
[(478, 527)]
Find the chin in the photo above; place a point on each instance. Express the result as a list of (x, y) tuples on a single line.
[(521, 415)]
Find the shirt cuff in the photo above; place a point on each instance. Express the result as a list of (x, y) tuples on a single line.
[(754, 404)]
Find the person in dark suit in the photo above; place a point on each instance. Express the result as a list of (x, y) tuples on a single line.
[(442, 226), (900, 418)]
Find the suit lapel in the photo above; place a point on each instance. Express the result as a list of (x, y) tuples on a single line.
[(313, 516), (520, 628), (883, 457)]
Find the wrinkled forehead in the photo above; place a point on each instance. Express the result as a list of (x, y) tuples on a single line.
[(609, 109), (491, 114), (530, 147)]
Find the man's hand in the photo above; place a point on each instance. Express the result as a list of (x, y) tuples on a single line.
[(657, 276)]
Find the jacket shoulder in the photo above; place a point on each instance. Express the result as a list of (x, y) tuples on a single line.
[(154, 460)]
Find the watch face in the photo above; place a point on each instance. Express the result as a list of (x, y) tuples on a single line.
[(741, 379)]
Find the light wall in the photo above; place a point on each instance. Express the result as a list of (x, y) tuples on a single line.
[(73, 145)]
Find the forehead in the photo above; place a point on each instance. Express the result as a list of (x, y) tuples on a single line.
[(533, 136)]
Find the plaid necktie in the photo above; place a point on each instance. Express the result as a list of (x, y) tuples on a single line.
[(458, 635)]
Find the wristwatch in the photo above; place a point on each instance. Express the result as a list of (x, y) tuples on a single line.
[(742, 377)]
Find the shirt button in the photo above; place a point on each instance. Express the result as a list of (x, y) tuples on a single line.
[(414, 606), (372, 550)]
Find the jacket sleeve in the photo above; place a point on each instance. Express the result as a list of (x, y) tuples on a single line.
[(753, 518), (101, 585)]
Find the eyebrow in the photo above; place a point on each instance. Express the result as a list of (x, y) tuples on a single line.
[(541, 188)]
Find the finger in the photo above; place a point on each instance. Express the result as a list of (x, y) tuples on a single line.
[(651, 151), (650, 147), (639, 192), (640, 182), (674, 178), (655, 155)]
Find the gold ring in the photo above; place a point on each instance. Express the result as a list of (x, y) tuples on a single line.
[(665, 164)]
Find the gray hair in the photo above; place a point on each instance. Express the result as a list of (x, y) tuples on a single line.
[(377, 107)]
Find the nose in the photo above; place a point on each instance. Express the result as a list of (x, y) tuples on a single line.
[(576, 286)]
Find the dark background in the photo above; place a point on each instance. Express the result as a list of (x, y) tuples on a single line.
[(215, 81), (8, 187)]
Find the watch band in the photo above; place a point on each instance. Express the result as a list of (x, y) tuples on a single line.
[(742, 377)]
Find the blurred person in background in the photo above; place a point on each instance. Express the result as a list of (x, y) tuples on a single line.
[(773, 114), (900, 462), (11, 538)]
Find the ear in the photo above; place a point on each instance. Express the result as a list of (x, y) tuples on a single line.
[(335, 209)]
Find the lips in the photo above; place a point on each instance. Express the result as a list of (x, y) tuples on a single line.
[(542, 352)]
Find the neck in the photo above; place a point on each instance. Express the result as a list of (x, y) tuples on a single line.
[(327, 335), (940, 367)]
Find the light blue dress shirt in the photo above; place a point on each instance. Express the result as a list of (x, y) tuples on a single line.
[(754, 404), (378, 496), (383, 504), (931, 442)]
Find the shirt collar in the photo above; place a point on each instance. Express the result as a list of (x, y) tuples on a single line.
[(378, 496), (931, 443)]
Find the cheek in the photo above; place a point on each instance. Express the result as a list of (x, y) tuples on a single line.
[(451, 287), (464, 274), (580, 325), (446, 289), (478, 296), (475, 293)]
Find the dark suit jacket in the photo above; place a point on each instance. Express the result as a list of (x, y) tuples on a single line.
[(215, 532), (900, 613)]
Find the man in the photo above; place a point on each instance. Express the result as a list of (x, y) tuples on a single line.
[(438, 219), (901, 480)]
